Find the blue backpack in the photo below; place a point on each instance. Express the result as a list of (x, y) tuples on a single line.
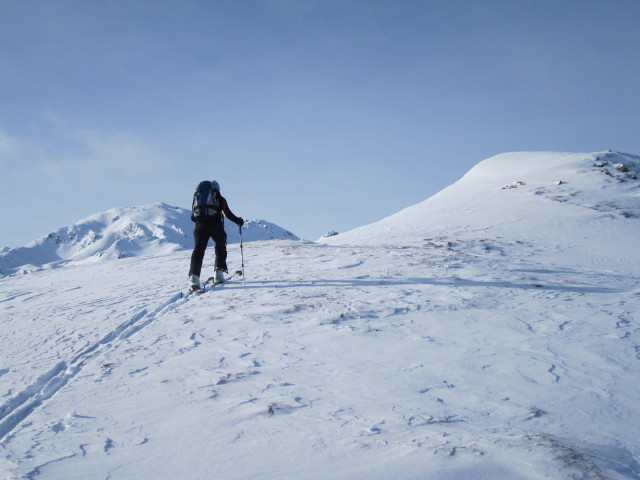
[(206, 200)]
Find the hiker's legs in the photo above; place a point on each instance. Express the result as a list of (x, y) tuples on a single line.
[(201, 236), (220, 238)]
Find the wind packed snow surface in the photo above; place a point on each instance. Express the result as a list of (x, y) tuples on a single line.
[(474, 355)]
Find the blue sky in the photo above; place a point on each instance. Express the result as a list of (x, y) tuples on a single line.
[(315, 115)]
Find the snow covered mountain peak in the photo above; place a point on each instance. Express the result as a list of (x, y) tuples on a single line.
[(556, 201), (124, 232), (544, 167), (605, 182)]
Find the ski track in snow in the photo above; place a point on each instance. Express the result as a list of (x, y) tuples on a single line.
[(342, 345), (20, 406)]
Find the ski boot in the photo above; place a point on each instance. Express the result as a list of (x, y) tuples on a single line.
[(219, 278), (194, 282)]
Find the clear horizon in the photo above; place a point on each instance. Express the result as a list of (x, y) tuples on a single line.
[(312, 115)]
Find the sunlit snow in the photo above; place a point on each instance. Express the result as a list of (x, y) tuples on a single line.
[(489, 332)]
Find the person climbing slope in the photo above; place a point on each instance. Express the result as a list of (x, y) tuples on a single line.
[(207, 212)]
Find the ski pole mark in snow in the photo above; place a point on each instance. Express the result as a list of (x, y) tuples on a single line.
[(58, 427), (108, 445)]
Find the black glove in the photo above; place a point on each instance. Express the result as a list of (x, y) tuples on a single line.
[(240, 222)]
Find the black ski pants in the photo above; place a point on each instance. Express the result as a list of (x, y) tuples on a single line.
[(201, 234)]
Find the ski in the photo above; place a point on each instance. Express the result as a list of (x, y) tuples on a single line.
[(200, 290), (211, 281)]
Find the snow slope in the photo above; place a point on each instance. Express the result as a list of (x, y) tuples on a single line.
[(554, 201), (468, 354), (124, 232)]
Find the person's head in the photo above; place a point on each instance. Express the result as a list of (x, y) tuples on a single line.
[(215, 185)]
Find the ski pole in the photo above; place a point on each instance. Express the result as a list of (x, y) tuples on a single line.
[(242, 255)]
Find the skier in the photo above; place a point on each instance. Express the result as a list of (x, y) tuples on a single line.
[(207, 209)]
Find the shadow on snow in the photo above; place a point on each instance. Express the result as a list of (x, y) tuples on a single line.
[(436, 282)]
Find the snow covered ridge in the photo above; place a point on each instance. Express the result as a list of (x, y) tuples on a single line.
[(124, 232), (522, 196)]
